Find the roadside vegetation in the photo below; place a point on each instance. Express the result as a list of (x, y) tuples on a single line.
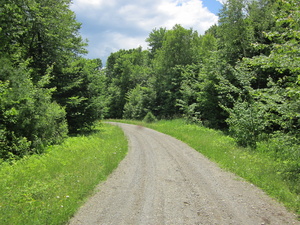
[(49, 188), (264, 169), (241, 77)]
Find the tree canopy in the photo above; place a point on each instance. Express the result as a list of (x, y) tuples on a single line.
[(47, 87)]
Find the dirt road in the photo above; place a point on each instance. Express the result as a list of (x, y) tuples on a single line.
[(163, 181)]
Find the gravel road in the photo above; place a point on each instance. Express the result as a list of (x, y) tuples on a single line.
[(164, 181)]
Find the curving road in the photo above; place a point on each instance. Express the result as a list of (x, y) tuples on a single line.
[(164, 181)]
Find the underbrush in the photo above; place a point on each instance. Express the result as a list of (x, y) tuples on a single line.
[(49, 188), (258, 167)]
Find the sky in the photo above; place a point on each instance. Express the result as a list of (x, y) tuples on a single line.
[(111, 25)]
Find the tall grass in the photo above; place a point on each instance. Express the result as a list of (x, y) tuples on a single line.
[(49, 188), (258, 168)]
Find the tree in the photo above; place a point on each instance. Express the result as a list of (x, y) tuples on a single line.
[(125, 70), (276, 100), (28, 117), (84, 97), (43, 31), (180, 48), (139, 102), (234, 30), (155, 40), (41, 67), (242, 23)]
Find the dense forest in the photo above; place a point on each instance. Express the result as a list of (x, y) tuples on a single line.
[(242, 76)]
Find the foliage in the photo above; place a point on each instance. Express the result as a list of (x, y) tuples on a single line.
[(149, 118), (125, 70), (179, 48), (44, 31), (49, 188), (29, 119), (247, 122), (274, 97), (41, 72), (189, 90), (84, 95), (138, 102), (156, 39)]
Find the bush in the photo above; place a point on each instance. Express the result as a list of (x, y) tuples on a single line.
[(247, 123), (149, 118), (29, 119), (139, 101)]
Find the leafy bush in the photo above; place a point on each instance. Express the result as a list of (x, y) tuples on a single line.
[(29, 120), (139, 101), (149, 118), (247, 123)]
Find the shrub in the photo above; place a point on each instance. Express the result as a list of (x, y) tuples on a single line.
[(149, 118), (247, 123), (29, 119)]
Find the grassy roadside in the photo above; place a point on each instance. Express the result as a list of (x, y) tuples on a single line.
[(258, 168), (49, 188)]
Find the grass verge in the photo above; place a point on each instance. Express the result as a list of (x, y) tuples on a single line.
[(49, 188), (255, 167)]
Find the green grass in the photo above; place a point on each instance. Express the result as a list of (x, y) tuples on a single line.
[(257, 168), (49, 188)]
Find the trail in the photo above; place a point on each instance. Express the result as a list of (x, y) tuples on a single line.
[(164, 181)]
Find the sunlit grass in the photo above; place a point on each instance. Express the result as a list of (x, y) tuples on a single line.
[(49, 188)]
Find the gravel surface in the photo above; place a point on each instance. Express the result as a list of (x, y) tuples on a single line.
[(164, 181)]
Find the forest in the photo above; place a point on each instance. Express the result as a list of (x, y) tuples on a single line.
[(242, 77)]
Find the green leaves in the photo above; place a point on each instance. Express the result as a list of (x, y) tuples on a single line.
[(28, 118), (139, 102), (126, 70), (80, 89)]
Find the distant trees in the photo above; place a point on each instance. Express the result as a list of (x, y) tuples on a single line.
[(180, 47), (125, 70), (242, 75)]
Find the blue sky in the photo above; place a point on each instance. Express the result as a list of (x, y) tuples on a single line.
[(111, 25), (213, 5)]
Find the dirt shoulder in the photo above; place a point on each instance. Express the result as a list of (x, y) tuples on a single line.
[(164, 181)]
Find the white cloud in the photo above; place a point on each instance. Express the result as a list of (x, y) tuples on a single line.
[(111, 25), (222, 1), (190, 13)]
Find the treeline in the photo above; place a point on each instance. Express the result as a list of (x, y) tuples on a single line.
[(241, 76), (47, 89)]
